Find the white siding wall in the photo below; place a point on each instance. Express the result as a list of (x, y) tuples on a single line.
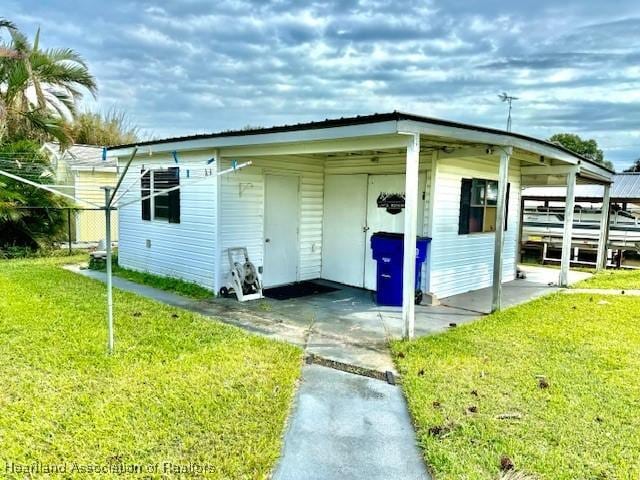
[(461, 263), (188, 250), (184, 250), (365, 164), (242, 212)]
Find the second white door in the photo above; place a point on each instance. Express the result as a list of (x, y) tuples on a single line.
[(351, 216), (280, 264)]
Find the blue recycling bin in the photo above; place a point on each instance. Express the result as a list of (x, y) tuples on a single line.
[(388, 251)]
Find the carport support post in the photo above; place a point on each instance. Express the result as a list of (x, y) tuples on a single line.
[(498, 247), (410, 232), (107, 217), (568, 228), (601, 260)]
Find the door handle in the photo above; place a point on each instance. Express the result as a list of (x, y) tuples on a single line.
[(365, 229), (267, 240)]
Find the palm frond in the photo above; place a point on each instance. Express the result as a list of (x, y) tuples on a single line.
[(7, 24), (39, 89), (20, 42), (61, 102), (36, 41), (53, 126), (17, 82), (65, 55), (9, 212), (64, 73)]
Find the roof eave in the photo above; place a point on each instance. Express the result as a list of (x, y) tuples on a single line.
[(488, 136), (369, 125), (387, 127)]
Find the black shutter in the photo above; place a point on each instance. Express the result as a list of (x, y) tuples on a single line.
[(145, 191), (465, 206), (506, 208), (173, 180)]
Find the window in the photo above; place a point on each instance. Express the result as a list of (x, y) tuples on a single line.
[(165, 206), (478, 204)]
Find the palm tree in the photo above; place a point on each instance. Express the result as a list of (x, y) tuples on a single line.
[(6, 52), (29, 217), (39, 89)]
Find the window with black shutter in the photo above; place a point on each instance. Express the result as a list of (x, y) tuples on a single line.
[(164, 206), (478, 206), (174, 196), (145, 191), (465, 205)]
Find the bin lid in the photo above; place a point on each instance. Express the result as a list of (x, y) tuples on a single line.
[(396, 236)]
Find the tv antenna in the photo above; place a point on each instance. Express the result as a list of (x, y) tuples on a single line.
[(507, 98)]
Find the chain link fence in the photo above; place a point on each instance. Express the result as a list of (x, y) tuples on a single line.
[(60, 228)]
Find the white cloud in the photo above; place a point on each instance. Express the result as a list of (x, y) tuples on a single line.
[(193, 65)]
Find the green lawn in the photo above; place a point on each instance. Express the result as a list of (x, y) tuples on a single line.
[(180, 388), (170, 284), (584, 424), (617, 279)]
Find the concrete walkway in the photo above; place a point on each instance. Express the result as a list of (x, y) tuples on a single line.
[(348, 426), (342, 425)]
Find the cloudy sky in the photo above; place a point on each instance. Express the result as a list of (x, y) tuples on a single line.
[(188, 66)]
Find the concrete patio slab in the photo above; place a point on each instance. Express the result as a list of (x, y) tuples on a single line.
[(540, 281), (348, 426), (346, 325), (374, 356)]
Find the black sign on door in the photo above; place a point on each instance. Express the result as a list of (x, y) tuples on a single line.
[(393, 203)]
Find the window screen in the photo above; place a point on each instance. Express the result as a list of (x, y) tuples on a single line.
[(478, 205), (164, 206)]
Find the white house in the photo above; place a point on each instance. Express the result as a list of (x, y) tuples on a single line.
[(307, 205)]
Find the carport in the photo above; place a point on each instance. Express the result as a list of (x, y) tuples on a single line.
[(623, 198), (423, 145)]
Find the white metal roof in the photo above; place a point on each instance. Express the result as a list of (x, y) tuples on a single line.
[(625, 186), (323, 137), (82, 155)]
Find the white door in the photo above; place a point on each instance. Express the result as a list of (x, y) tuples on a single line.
[(382, 220), (280, 230), (343, 247)]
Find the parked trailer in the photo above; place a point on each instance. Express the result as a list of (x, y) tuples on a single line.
[(543, 228)]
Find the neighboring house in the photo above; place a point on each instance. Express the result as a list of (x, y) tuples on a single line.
[(82, 169), (308, 204)]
